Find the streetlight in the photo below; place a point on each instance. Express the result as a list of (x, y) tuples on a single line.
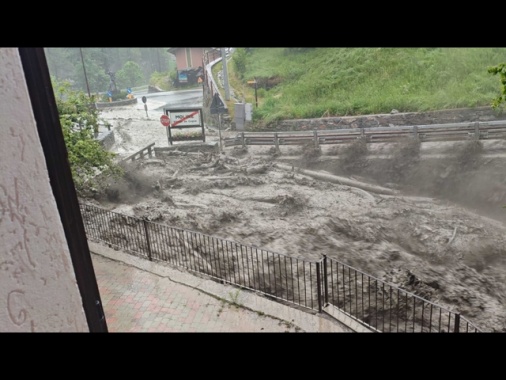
[(85, 76)]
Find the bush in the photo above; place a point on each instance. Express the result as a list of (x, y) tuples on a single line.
[(121, 95)]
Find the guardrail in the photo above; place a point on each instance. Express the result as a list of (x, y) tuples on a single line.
[(211, 83), (312, 284), (424, 133)]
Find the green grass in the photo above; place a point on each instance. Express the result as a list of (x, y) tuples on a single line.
[(320, 82)]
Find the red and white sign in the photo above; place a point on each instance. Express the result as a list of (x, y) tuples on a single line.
[(185, 118), (165, 120)]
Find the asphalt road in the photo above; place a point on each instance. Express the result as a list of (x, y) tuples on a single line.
[(175, 99)]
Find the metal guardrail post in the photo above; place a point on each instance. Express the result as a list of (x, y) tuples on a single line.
[(477, 131), (276, 141), (415, 132), (315, 133), (319, 287), (243, 141), (144, 221)]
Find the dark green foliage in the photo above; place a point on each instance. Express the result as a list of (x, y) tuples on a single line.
[(79, 121), (120, 95), (66, 64), (500, 70), (130, 75)]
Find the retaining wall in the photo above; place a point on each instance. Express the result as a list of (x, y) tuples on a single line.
[(459, 115), (116, 103)]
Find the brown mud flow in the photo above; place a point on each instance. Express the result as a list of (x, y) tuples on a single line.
[(428, 218)]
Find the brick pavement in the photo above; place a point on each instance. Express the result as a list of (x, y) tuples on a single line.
[(143, 296), (138, 301)]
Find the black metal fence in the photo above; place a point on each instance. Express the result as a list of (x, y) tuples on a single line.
[(309, 284), (385, 307)]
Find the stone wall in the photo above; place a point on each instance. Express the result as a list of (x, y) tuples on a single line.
[(391, 119), (116, 103)]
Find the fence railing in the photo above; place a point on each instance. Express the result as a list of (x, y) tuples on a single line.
[(309, 284), (385, 307), (147, 150), (424, 133)]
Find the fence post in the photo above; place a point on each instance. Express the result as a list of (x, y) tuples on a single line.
[(415, 132), (457, 323), (144, 221), (325, 282), (315, 137), (477, 130), (319, 287)]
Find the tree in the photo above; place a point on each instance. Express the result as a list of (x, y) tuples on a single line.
[(66, 64), (501, 71), (130, 75), (79, 121), (59, 62), (97, 78)]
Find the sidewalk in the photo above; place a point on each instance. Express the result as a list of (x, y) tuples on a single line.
[(142, 296)]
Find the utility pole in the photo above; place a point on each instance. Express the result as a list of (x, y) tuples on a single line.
[(85, 76), (225, 74), (158, 56), (219, 132)]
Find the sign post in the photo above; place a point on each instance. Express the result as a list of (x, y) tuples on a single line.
[(145, 106), (182, 119), (217, 107), (219, 131), (165, 120), (254, 82)]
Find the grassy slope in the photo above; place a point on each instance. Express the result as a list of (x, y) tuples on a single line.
[(352, 81)]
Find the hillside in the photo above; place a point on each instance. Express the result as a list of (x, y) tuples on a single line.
[(317, 82)]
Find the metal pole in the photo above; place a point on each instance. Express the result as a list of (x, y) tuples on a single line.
[(457, 323), (84, 69), (319, 287), (225, 74), (147, 238), (219, 131), (325, 281), (158, 56)]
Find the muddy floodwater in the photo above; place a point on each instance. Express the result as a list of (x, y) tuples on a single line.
[(428, 218)]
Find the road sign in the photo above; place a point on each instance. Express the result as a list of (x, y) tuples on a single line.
[(164, 119), (217, 105), (187, 117)]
